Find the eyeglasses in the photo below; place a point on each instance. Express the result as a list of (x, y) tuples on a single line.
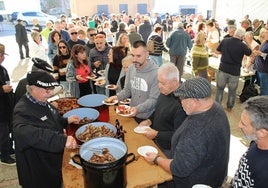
[(74, 33), (62, 47), (93, 34)]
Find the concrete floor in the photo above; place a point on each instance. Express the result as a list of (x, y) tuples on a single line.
[(17, 69)]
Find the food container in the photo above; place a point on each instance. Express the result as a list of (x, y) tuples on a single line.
[(89, 113), (95, 124), (95, 101), (65, 104), (105, 175)]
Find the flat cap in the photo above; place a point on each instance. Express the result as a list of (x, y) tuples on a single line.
[(197, 88)]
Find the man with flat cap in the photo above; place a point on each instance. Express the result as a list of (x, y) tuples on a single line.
[(38, 134), (200, 146)]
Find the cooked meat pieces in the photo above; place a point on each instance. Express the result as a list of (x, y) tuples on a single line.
[(66, 104), (85, 120), (94, 132), (102, 158)]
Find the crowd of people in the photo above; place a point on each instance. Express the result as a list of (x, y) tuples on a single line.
[(190, 127)]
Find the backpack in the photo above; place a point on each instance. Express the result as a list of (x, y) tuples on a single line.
[(248, 91), (150, 44)]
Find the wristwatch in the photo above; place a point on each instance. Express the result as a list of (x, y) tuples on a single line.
[(155, 160)]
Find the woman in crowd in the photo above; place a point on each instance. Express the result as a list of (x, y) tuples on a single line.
[(36, 47), (190, 31), (82, 35), (260, 64), (167, 26), (100, 28), (113, 70), (107, 31), (78, 72), (123, 40), (60, 62), (201, 27), (158, 47), (213, 37), (55, 37), (248, 61), (121, 29), (200, 56)]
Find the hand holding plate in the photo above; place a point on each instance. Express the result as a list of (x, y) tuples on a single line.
[(150, 156), (133, 111), (150, 133)]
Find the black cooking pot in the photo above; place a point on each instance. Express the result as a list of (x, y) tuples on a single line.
[(107, 175)]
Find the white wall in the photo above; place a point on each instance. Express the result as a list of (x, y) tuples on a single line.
[(237, 9), (172, 6)]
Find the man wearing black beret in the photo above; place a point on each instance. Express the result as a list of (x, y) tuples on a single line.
[(38, 134)]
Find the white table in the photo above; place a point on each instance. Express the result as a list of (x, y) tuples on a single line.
[(214, 63)]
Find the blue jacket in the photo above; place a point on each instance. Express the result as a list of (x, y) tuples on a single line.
[(261, 62), (178, 41)]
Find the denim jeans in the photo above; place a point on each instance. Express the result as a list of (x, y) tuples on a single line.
[(224, 79), (157, 59), (263, 78)]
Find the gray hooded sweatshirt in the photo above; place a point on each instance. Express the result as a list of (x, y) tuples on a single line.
[(142, 87)]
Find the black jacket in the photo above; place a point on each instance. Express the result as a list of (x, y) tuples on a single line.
[(21, 34), (6, 99), (39, 143)]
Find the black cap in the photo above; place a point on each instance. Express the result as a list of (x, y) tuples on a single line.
[(41, 79), (41, 64)]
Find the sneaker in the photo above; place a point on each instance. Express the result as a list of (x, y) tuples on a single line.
[(11, 151), (9, 161)]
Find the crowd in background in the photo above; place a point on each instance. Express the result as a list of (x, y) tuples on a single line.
[(200, 41)]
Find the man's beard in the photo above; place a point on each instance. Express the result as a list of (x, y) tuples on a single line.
[(137, 64), (251, 137)]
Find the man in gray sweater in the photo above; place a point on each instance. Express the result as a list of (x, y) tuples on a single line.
[(141, 83)]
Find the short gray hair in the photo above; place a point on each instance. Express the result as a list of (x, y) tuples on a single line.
[(239, 33), (232, 27), (34, 34), (180, 25), (249, 33), (132, 27), (257, 109), (170, 70)]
